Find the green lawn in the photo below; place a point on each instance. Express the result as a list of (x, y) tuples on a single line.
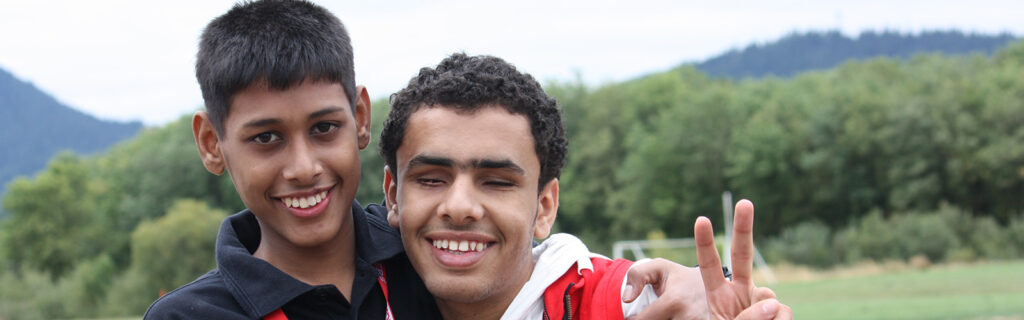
[(983, 291), (991, 291)]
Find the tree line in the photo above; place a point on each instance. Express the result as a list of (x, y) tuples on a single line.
[(799, 52)]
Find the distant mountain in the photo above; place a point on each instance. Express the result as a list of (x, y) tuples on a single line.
[(800, 52), (34, 126)]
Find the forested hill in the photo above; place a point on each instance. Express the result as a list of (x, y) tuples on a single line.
[(34, 126), (800, 52)]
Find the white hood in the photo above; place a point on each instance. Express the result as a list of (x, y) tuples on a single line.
[(553, 258)]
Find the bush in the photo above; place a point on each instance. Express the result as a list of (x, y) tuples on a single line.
[(1015, 234), (177, 247), (925, 234), (900, 237), (982, 237), (991, 241), (87, 285), (870, 238), (809, 243), (129, 296), (30, 294)]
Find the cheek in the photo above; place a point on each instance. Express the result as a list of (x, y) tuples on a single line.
[(419, 217), (412, 208), (343, 157), (518, 223)]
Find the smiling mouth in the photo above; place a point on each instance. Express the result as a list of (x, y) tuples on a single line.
[(304, 202), (459, 246)]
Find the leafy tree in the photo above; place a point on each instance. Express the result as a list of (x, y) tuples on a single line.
[(47, 229), (176, 248), (661, 188), (30, 294), (87, 285), (371, 180), (146, 175)]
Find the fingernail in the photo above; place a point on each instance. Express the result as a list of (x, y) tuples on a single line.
[(770, 307), (629, 292)]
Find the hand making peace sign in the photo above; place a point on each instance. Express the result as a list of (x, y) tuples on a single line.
[(739, 298)]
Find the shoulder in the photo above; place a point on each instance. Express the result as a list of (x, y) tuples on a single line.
[(377, 218), (205, 298), (376, 240)]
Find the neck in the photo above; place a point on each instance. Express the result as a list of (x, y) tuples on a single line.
[(331, 262), (493, 305)]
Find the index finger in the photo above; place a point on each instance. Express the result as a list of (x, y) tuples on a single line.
[(743, 241), (642, 273), (707, 254)]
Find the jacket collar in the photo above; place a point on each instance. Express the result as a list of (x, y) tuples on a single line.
[(261, 288)]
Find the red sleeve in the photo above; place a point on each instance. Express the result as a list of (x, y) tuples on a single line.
[(603, 298), (595, 294)]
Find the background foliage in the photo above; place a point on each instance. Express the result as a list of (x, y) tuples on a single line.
[(877, 159)]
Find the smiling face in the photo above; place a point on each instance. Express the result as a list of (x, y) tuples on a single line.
[(465, 197), (293, 156)]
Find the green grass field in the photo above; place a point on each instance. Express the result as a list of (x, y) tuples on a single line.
[(981, 291), (989, 291)]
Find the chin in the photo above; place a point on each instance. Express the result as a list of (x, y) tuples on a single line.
[(460, 289), (313, 237)]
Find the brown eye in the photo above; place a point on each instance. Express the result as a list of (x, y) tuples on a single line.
[(322, 128), (265, 138)]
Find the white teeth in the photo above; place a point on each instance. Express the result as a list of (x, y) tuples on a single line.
[(305, 202), (459, 245)]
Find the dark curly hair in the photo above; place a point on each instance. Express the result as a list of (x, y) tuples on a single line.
[(282, 42), (469, 83)]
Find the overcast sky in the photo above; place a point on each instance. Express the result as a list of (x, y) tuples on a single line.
[(133, 60)]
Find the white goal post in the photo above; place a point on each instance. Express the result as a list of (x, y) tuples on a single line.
[(637, 247)]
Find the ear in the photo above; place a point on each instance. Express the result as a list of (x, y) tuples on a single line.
[(362, 112), (391, 197), (547, 209), (208, 142)]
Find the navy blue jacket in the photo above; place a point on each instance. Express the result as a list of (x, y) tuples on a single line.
[(245, 287)]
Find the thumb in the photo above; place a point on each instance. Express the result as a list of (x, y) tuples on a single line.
[(640, 274), (764, 310)]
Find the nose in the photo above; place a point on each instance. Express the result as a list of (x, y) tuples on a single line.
[(461, 203), (303, 165)]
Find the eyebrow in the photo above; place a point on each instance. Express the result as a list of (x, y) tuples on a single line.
[(272, 121), (500, 164)]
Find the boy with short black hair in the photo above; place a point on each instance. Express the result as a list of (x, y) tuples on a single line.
[(285, 119), (473, 149)]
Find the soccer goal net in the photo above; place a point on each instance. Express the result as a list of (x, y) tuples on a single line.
[(684, 251)]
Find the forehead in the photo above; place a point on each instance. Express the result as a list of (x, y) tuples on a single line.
[(490, 133), (259, 101)]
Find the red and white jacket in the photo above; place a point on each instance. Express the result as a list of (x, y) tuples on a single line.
[(570, 282)]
